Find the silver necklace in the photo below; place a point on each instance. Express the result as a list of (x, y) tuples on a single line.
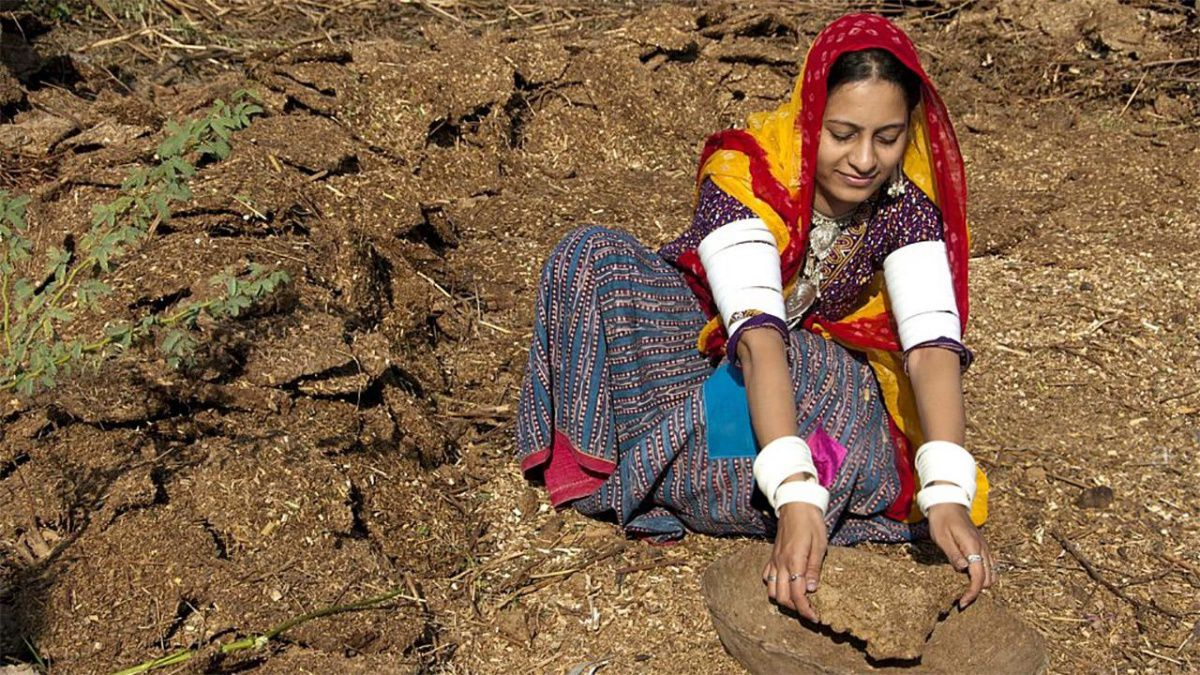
[(821, 237)]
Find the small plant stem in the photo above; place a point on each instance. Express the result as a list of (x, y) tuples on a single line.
[(104, 342), (178, 657), (71, 279), (7, 335), (88, 348), (190, 309), (48, 307), (260, 641), (366, 603)]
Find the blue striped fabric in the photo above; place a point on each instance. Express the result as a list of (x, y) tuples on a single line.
[(614, 370)]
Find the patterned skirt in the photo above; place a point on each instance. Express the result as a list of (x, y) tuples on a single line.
[(621, 417)]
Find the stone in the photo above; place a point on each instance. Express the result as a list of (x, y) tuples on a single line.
[(1099, 497)]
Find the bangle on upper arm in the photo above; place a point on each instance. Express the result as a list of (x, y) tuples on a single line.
[(920, 291), (741, 264)]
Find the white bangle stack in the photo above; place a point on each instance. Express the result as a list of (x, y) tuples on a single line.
[(741, 262), (943, 461), (921, 292), (784, 457)]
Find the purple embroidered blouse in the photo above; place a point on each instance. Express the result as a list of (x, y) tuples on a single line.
[(857, 255)]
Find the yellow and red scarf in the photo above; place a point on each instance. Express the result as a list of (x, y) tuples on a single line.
[(769, 167)]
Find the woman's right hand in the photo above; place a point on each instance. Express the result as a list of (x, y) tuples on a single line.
[(794, 569)]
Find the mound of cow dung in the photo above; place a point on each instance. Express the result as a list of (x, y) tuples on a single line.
[(876, 614)]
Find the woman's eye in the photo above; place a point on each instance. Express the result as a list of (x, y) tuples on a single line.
[(840, 137), (887, 141)]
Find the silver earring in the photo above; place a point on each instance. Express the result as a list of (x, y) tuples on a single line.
[(896, 186)]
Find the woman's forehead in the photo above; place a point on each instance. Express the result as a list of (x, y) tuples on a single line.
[(868, 104)]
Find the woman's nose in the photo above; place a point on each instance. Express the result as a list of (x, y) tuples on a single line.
[(862, 158)]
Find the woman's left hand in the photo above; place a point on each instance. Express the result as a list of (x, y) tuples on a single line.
[(951, 529)]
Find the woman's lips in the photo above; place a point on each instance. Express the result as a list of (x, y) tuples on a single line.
[(856, 181)]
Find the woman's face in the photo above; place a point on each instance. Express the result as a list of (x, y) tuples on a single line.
[(863, 137)]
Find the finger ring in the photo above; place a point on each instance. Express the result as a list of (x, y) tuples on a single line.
[(770, 578), (795, 577), (974, 558)]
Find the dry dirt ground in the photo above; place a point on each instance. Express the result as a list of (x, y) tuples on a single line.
[(415, 164)]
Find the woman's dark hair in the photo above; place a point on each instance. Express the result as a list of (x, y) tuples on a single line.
[(875, 64)]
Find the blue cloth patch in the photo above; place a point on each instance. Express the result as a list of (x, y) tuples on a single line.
[(728, 415)]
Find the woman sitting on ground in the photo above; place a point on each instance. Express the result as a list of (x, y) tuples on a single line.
[(772, 370)]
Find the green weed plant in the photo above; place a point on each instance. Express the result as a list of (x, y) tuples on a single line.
[(35, 354)]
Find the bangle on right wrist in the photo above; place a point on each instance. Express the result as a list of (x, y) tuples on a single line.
[(805, 491), (778, 460), (949, 462), (941, 494)]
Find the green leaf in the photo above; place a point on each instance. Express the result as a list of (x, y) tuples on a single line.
[(121, 204), (136, 179), (215, 148), (234, 306), (58, 314), (19, 249), (173, 145), (39, 357), (162, 209), (14, 212), (222, 128), (182, 167), (101, 253), (178, 346), (172, 342), (23, 290), (99, 214), (217, 309), (91, 290), (178, 192), (56, 262)]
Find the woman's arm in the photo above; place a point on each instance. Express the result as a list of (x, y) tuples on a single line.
[(763, 358), (936, 377), (801, 540)]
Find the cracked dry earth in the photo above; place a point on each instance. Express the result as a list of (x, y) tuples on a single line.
[(354, 435)]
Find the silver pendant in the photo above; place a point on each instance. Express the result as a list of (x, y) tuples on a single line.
[(800, 300), (821, 239)]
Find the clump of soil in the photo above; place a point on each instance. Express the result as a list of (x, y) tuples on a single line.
[(891, 606), (876, 613)]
